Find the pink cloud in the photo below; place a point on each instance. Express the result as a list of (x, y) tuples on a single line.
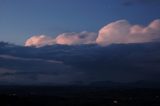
[(64, 39), (123, 32), (76, 38), (120, 31), (39, 41)]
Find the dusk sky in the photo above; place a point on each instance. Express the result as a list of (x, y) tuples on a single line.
[(21, 19), (79, 41)]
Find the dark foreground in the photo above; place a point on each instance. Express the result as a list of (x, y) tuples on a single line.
[(77, 96)]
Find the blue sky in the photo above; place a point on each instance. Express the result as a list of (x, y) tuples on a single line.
[(21, 19)]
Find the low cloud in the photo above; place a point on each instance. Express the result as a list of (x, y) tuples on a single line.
[(123, 32), (81, 64), (117, 32), (29, 59), (6, 71)]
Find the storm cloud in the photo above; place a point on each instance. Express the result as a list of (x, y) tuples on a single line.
[(120, 52), (79, 64)]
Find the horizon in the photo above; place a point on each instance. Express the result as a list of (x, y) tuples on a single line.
[(80, 52), (102, 40)]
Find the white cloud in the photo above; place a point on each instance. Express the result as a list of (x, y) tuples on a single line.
[(123, 32)]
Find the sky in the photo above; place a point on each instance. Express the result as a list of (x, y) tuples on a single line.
[(22, 19), (79, 41)]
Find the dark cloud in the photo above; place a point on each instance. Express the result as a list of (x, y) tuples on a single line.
[(79, 63)]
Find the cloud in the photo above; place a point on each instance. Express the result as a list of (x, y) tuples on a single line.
[(29, 59), (24, 70), (120, 31), (76, 38), (79, 64), (63, 39), (123, 32), (39, 41), (4, 71)]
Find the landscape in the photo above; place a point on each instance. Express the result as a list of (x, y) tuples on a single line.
[(79, 53)]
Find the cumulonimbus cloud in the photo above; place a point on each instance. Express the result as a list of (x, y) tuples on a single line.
[(117, 32), (123, 32)]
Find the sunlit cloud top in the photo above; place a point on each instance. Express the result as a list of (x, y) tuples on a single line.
[(118, 32)]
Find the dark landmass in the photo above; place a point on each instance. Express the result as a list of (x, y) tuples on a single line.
[(78, 96)]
